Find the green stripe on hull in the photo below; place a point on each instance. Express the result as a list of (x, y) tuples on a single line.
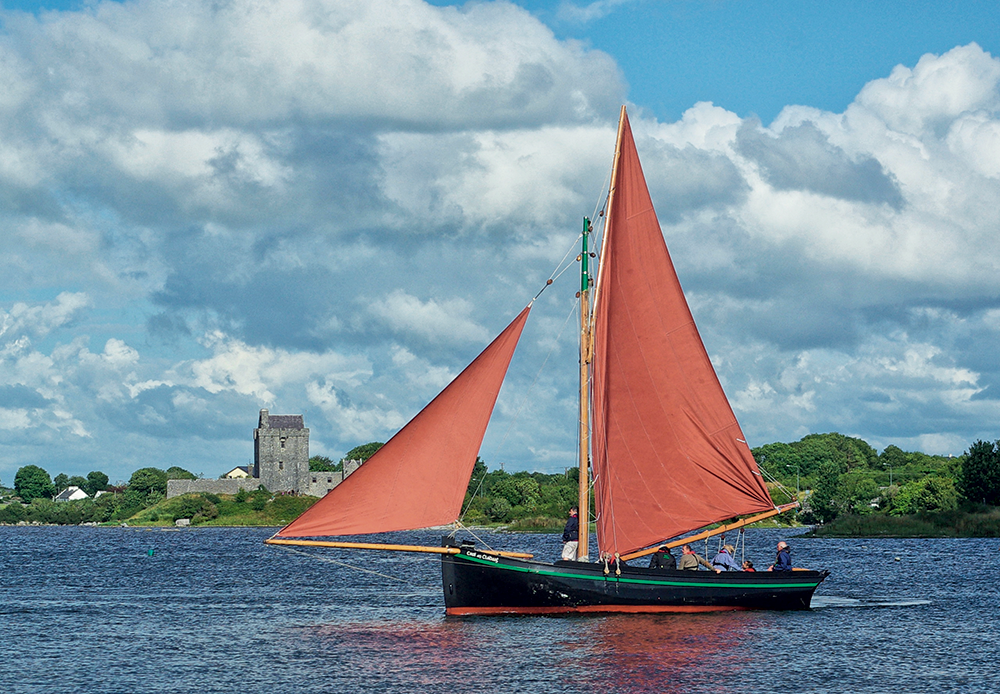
[(687, 584)]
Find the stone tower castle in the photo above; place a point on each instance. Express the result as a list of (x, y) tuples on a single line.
[(281, 453), (280, 463)]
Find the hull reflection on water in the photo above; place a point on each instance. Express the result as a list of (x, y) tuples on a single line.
[(646, 653)]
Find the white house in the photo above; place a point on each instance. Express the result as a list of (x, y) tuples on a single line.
[(71, 494)]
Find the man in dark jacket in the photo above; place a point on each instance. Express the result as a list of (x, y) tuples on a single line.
[(571, 536), (662, 559), (784, 560)]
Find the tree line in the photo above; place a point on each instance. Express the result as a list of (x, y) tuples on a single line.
[(832, 475), (840, 475), (34, 490)]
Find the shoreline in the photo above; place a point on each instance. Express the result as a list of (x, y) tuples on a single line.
[(831, 531)]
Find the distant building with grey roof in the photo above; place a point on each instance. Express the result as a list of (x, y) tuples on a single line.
[(280, 463), (71, 494)]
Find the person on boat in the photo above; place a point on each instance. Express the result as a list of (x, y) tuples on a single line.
[(784, 559), (690, 561), (748, 566), (724, 559), (571, 536), (662, 558)]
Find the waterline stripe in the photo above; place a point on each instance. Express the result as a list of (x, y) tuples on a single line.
[(686, 584)]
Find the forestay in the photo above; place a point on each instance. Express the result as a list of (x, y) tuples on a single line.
[(419, 478)]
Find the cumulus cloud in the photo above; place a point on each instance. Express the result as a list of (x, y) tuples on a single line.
[(40, 320), (258, 371), (589, 12), (848, 285), (802, 158), (435, 322), (330, 208)]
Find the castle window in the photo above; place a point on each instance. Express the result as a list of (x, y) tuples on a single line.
[(282, 443), (329, 480), (281, 465), (314, 480)]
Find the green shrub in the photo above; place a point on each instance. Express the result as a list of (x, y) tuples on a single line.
[(285, 508), (927, 494), (194, 506), (208, 512), (537, 524), (499, 510), (13, 513)]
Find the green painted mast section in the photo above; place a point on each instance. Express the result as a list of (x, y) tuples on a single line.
[(586, 354)]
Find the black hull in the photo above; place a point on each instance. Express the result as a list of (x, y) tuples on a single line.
[(482, 583)]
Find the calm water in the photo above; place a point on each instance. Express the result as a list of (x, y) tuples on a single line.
[(215, 610)]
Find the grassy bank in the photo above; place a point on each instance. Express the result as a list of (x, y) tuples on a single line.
[(983, 522), (254, 509)]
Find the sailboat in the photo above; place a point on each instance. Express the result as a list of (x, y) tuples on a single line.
[(666, 453)]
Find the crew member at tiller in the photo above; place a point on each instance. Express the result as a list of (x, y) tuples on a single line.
[(784, 559), (571, 536)]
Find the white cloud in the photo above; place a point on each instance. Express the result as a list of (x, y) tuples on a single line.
[(436, 322), (40, 320), (419, 373), (387, 59), (14, 419), (239, 199), (976, 139), (936, 91), (507, 177), (261, 371), (192, 154), (354, 423), (931, 131), (588, 12)]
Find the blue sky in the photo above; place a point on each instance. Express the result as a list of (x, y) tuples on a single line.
[(758, 57), (329, 208)]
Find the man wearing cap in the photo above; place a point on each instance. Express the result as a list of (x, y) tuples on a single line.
[(784, 560), (571, 536)]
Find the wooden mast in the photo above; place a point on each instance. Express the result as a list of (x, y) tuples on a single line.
[(587, 349), (586, 353)]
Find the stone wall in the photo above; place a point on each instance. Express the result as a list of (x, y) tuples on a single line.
[(281, 463), (230, 486), (320, 483)]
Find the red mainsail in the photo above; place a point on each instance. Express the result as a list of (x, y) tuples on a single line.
[(419, 478), (668, 453)]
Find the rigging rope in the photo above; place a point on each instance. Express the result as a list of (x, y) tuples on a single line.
[(557, 273), (346, 565), (771, 478), (517, 413), (459, 525)]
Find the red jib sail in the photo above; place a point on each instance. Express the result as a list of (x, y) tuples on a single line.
[(669, 455), (419, 478)]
